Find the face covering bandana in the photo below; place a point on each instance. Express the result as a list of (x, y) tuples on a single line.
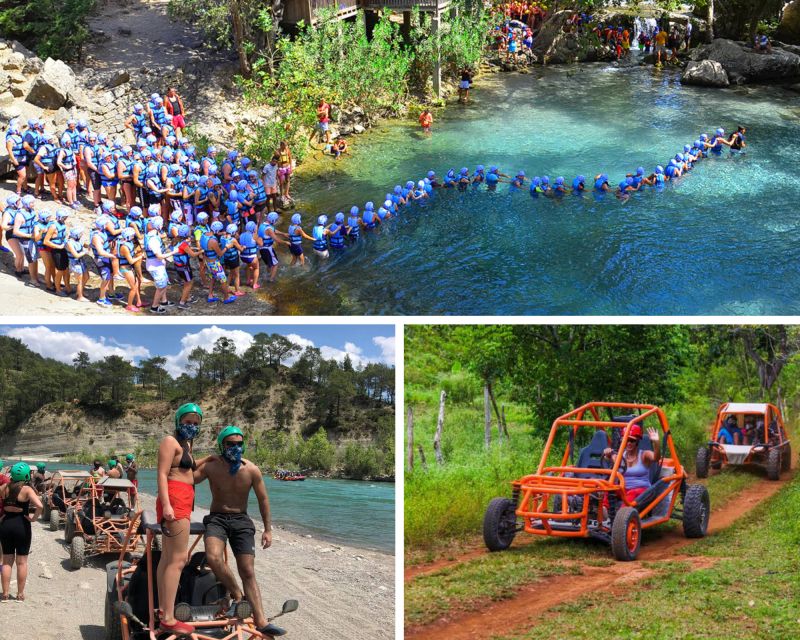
[(187, 431), (234, 457)]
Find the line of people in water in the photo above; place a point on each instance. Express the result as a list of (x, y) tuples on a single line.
[(224, 227)]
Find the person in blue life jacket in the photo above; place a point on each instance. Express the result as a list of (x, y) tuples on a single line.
[(249, 241), (77, 262), (354, 224), (296, 237), (231, 258), (337, 232), (479, 176), (450, 179), (559, 188), (579, 184), (369, 218), (268, 238), (518, 181), (601, 183), (320, 234)]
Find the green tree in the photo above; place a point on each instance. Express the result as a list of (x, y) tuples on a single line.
[(317, 452)]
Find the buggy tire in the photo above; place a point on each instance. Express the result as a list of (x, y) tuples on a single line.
[(499, 524), (55, 519), (696, 511), (69, 525), (702, 462), (77, 552), (113, 623), (786, 458), (626, 534), (774, 463), (45, 509)]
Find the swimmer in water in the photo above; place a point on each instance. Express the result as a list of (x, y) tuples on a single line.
[(519, 181), (479, 176), (601, 183), (559, 189), (433, 179), (494, 177), (536, 186), (463, 179), (545, 187), (736, 141), (450, 179), (579, 184)]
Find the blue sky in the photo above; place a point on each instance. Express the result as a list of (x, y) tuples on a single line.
[(364, 343)]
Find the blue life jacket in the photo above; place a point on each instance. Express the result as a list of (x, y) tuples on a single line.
[(139, 123), (123, 261), (40, 229), (231, 252), (369, 219), (34, 140), (598, 184), (17, 149), (249, 245), (77, 247), (336, 235), (181, 260), (68, 159), (61, 233), (48, 158), (355, 228), (263, 229), (156, 180), (205, 245), (492, 178), (295, 238), (159, 115), (260, 192), (233, 211), (127, 166), (106, 244), (189, 193), (320, 243), (111, 167), (29, 219), (148, 251)]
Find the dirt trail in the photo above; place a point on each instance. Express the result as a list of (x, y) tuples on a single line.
[(533, 600)]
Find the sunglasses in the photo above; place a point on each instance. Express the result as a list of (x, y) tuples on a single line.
[(236, 443)]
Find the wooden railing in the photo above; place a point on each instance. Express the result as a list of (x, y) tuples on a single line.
[(405, 5), (341, 5)]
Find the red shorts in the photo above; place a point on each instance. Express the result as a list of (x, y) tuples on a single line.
[(630, 495), (178, 122), (181, 497)]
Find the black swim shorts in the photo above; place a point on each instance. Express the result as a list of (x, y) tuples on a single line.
[(236, 527)]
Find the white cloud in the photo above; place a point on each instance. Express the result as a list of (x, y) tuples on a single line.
[(205, 338), (299, 340), (387, 346), (65, 345)]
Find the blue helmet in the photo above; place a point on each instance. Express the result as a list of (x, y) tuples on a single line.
[(176, 215), (353, 211), (410, 184), (154, 211), (545, 179), (370, 206), (339, 218), (244, 161), (241, 185), (479, 168), (250, 226), (63, 213), (76, 232), (431, 174), (101, 221), (156, 223), (28, 201), (720, 131), (12, 200), (687, 147), (202, 217), (398, 190), (107, 205), (135, 212), (217, 226), (234, 194), (659, 169), (128, 233), (231, 228), (560, 180), (272, 217), (640, 171), (323, 219), (464, 171), (296, 218)]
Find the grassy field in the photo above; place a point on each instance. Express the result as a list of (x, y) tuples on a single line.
[(752, 590), (498, 576)]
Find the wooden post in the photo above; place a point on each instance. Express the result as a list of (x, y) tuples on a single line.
[(410, 438), (487, 418), (437, 439), (422, 458), (405, 30), (503, 418), (437, 64)]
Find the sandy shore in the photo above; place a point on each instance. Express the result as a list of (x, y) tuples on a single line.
[(344, 592)]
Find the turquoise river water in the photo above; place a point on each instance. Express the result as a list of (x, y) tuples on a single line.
[(722, 240), (358, 514)]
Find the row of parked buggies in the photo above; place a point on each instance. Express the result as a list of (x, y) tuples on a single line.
[(585, 498), (100, 517)]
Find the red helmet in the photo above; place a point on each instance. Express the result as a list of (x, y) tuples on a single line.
[(635, 432)]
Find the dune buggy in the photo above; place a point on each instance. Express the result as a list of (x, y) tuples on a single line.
[(67, 489), (99, 526), (758, 435), (131, 606), (567, 500)]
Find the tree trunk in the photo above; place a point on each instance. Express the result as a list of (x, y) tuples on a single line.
[(437, 439), (496, 413), (238, 37), (410, 439), (487, 418), (503, 418), (422, 458), (710, 32)]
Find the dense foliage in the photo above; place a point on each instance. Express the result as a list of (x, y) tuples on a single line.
[(346, 402), (52, 28), (539, 372)]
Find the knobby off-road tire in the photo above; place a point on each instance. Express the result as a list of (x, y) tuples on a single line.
[(626, 534), (696, 511), (77, 552), (786, 458), (113, 623), (702, 462), (55, 519), (45, 510), (774, 463), (69, 525), (499, 524)]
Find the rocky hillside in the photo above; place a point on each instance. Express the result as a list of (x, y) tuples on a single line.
[(60, 428)]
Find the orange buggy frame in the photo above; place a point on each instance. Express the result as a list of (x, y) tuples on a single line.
[(57, 491), (567, 500), (209, 623), (771, 448), (110, 524)]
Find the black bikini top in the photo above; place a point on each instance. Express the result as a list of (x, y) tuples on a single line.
[(186, 461)]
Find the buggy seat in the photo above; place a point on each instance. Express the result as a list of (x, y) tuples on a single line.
[(591, 456)]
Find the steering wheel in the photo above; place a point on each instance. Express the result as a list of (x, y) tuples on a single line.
[(608, 463)]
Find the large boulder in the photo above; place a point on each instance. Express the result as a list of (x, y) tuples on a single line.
[(753, 67), (789, 27), (52, 86), (706, 73)]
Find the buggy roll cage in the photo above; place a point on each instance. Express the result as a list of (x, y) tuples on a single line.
[(768, 411)]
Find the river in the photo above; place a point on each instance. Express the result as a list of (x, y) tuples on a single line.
[(719, 241)]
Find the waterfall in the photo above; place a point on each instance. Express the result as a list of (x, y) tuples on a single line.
[(641, 25)]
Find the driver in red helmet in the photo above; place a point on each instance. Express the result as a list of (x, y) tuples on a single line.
[(637, 473)]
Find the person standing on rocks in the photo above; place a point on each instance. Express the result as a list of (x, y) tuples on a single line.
[(174, 105), (231, 478), (15, 528), (323, 121), (661, 44)]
